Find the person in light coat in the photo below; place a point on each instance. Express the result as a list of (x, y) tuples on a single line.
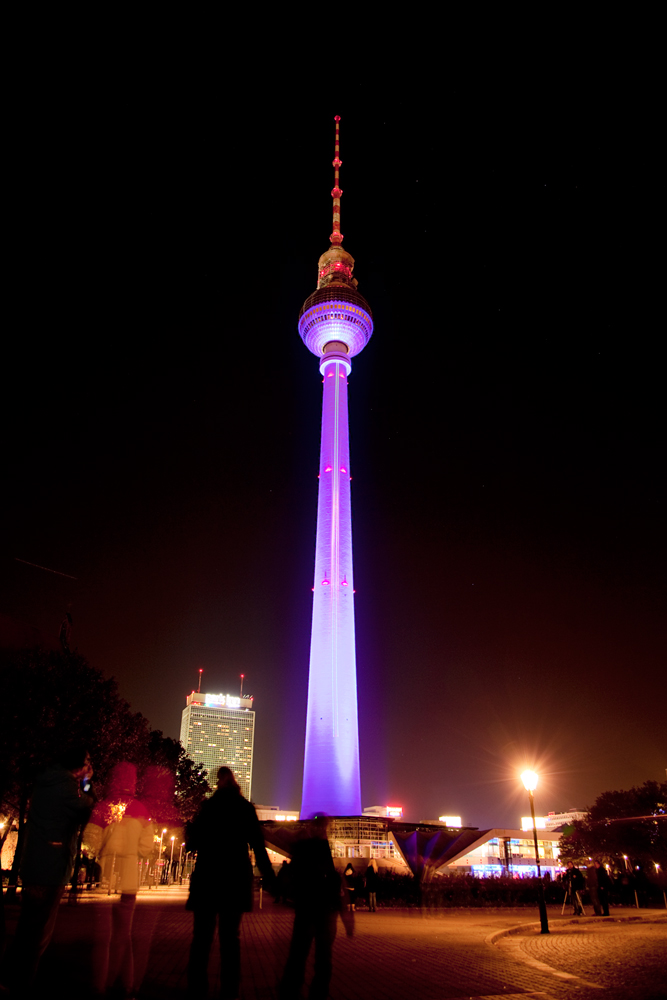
[(119, 844)]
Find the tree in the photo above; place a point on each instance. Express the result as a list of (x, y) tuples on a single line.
[(190, 784), (54, 698), (631, 823)]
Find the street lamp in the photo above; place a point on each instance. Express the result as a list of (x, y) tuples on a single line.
[(180, 864), (529, 779), (171, 859)]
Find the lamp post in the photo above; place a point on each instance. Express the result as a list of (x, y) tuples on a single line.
[(529, 779), (171, 859), (160, 862), (657, 872)]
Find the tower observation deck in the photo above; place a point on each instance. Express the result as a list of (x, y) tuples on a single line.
[(335, 323)]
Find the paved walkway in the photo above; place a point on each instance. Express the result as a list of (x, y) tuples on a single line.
[(394, 955)]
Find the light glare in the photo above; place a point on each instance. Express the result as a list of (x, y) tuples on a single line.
[(529, 779)]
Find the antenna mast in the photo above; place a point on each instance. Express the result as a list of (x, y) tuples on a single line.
[(336, 236), (201, 671)]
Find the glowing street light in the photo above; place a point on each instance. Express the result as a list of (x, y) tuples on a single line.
[(530, 779)]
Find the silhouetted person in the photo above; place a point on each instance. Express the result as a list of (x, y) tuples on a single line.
[(604, 885), (574, 881), (592, 889), (221, 885), (372, 880), (283, 882), (319, 897), (58, 808), (351, 885)]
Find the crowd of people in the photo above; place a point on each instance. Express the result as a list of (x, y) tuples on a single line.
[(119, 833), (595, 880)]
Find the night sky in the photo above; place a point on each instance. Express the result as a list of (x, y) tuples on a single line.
[(161, 419)]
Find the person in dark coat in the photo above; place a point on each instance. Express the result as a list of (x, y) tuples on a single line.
[(221, 886), (283, 883), (604, 885), (58, 809), (574, 881), (592, 887), (351, 884), (372, 880), (319, 898)]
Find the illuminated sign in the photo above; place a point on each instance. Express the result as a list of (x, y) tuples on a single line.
[(222, 700), (395, 812), (450, 820), (527, 823)]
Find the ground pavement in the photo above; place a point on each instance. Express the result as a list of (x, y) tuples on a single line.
[(394, 955)]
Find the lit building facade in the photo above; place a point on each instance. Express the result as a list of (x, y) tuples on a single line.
[(507, 852), (276, 814), (335, 324), (554, 820), (219, 729), (386, 812)]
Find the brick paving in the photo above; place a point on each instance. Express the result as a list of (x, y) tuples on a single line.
[(394, 954), (624, 955)]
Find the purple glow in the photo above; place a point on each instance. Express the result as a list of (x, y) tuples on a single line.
[(331, 781)]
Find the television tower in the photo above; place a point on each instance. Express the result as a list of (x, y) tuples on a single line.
[(335, 323)]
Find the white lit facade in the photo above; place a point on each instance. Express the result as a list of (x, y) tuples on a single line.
[(387, 812), (507, 852), (276, 814), (219, 729), (553, 820)]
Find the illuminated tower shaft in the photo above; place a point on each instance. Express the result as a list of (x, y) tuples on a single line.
[(335, 324), (331, 780)]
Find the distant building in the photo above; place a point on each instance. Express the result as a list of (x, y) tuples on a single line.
[(265, 813), (219, 729), (386, 812), (554, 820), (451, 821)]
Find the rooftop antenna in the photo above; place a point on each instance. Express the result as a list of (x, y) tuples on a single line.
[(336, 237), (242, 676), (201, 671)]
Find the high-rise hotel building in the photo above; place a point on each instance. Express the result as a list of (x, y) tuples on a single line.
[(219, 729)]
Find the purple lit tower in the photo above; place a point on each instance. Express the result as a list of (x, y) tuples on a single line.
[(335, 323)]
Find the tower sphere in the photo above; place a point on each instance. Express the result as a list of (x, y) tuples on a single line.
[(336, 313)]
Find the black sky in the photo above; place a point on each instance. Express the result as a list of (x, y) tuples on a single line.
[(161, 419)]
